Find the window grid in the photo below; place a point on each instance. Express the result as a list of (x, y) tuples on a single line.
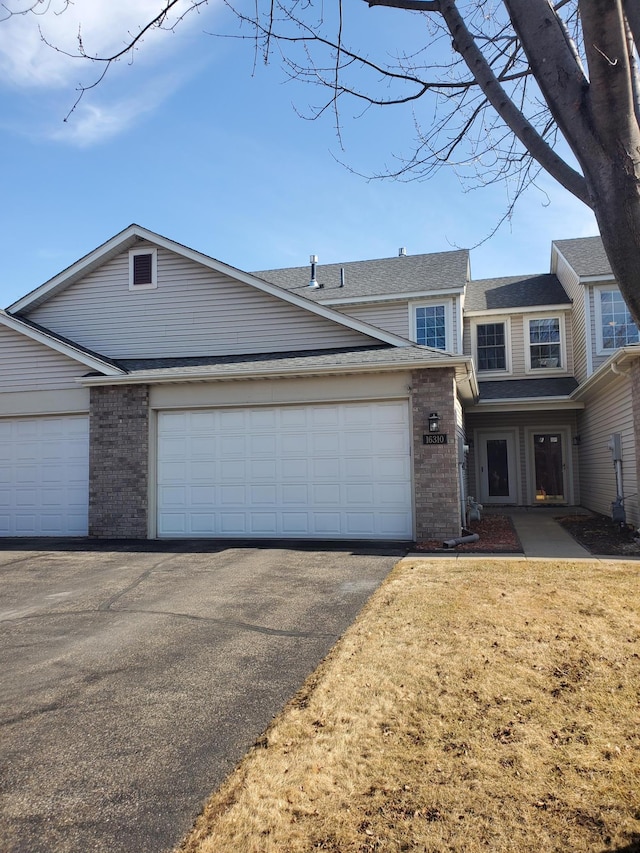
[(544, 343), (491, 346), (431, 326), (618, 328)]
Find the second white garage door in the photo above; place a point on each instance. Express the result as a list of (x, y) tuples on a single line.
[(331, 471)]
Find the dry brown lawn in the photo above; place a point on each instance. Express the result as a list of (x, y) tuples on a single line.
[(476, 705)]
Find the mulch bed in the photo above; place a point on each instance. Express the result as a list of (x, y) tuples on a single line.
[(599, 535), (497, 535)]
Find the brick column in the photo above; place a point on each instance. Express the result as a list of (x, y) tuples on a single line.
[(118, 461), (435, 467)]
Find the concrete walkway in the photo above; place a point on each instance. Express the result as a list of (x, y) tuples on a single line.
[(541, 536)]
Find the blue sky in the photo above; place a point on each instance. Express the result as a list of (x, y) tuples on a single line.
[(190, 140)]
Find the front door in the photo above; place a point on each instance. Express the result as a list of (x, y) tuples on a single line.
[(549, 468), (498, 468)]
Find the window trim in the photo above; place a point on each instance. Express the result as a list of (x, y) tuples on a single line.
[(447, 304), (544, 371), (597, 302), (154, 268), (488, 320)]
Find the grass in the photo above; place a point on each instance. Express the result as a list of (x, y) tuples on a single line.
[(475, 705)]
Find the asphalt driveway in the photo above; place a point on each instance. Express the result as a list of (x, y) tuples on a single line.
[(133, 677)]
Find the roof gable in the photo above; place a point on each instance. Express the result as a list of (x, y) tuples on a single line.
[(585, 255), (40, 305)]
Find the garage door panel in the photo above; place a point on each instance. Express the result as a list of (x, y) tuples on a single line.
[(233, 470), (293, 418), (324, 416), (263, 445), (202, 524), (262, 469), (232, 524), (294, 443), (294, 469), (233, 495), (325, 469), (327, 524), (233, 445), (263, 495), (263, 523), (320, 470), (295, 524), (295, 494)]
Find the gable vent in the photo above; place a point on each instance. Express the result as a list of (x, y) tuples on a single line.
[(143, 269)]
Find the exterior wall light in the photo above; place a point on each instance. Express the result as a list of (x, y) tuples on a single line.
[(434, 422)]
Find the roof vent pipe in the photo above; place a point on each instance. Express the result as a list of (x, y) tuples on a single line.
[(341, 276), (314, 260), (402, 252)]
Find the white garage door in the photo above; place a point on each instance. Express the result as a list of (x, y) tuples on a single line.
[(332, 471), (44, 476)]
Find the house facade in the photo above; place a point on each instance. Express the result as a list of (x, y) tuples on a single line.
[(150, 391)]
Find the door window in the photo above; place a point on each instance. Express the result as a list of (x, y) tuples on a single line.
[(549, 467)]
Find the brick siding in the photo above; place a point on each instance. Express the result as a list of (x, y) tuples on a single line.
[(436, 475), (118, 462)]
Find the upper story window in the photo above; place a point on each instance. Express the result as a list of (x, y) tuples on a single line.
[(545, 350), (143, 269), (432, 326), (614, 325), (492, 347)]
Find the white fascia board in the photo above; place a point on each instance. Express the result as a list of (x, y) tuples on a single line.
[(393, 297), (523, 404), (462, 366), (54, 343), (124, 237), (590, 279), (525, 309)]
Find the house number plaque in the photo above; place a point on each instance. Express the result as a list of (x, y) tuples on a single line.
[(435, 438)]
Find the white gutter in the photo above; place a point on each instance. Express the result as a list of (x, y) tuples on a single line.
[(524, 309), (391, 297)]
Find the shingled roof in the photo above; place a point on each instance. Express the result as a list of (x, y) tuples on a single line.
[(514, 292), (514, 389), (384, 277), (585, 255), (231, 365)]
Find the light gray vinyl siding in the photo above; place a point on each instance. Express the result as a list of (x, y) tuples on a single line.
[(193, 311), (395, 317), (517, 347), (517, 325), (575, 291), (390, 316), (608, 412), (26, 365), (520, 422)]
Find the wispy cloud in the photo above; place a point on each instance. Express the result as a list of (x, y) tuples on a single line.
[(98, 119), (38, 50), (40, 54)]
